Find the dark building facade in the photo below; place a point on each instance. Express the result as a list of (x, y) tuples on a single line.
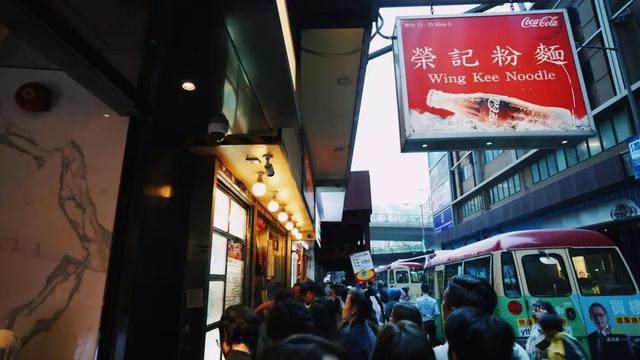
[(585, 186)]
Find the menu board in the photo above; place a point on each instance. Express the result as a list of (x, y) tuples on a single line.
[(235, 274)]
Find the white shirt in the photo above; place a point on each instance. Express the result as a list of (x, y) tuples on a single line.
[(442, 352), (376, 308)]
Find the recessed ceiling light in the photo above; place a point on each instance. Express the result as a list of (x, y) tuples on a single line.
[(188, 85), (106, 115), (424, 145), (564, 142), (489, 143)]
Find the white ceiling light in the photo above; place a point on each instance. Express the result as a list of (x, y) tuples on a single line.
[(564, 142), (289, 225), (273, 205), (259, 188), (283, 216), (188, 85), (295, 231), (298, 236)]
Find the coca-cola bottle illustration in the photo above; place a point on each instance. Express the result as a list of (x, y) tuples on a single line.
[(500, 111)]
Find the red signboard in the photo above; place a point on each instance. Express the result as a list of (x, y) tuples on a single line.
[(499, 80)]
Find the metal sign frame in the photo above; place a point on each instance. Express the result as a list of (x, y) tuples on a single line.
[(478, 140)]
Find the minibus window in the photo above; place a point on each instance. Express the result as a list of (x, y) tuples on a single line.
[(402, 276), (601, 272), (417, 276), (509, 276), (392, 280), (450, 271), (429, 277), (546, 275), (480, 268)]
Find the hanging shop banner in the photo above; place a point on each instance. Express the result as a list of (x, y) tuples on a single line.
[(362, 265), (475, 81), (634, 154)]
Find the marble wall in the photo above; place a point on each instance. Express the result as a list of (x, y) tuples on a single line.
[(59, 178)]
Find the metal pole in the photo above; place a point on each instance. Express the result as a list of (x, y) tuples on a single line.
[(623, 68), (424, 248)]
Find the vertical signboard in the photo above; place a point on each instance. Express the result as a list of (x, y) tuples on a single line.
[(504, 80), (443, 221), (362, 265), (634, 155)]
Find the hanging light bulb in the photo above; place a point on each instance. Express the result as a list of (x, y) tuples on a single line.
[(289, 225), (283, 216), (298, 236), (295, 231), (259, 188), (273, 205)]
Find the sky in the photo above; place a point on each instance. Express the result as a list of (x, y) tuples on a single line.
[(399, 182)]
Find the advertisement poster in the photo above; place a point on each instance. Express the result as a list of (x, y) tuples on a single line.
[(634, 154), (499, 76), (362, 265), (613, 326)]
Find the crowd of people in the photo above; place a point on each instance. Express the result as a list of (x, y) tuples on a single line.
[(337, 322)]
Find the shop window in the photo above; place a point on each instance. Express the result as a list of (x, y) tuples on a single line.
[(212, 345), (510, 282), (606, 134), (546, 279), (227, 261), (221, 210), (218, 255)]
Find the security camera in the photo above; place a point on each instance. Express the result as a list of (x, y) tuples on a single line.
[(218, 127), (268, 167)]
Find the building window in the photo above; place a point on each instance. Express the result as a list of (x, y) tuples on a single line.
[(561, 160), (489, 155), (605, 129), (472, 206), (504, 189), (621, 125), (627, 25), (583, 151), (465, 173), (572, 156)]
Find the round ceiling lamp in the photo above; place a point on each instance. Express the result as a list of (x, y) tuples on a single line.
[(259, 188)]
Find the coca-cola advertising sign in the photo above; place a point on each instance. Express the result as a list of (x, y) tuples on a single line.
[(489, 80)]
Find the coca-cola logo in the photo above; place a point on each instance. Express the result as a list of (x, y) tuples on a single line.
[(545, 21)]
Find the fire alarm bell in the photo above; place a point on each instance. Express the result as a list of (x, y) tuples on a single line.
[(34, 97)]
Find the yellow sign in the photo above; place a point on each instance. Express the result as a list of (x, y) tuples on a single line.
[(365, 275)]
